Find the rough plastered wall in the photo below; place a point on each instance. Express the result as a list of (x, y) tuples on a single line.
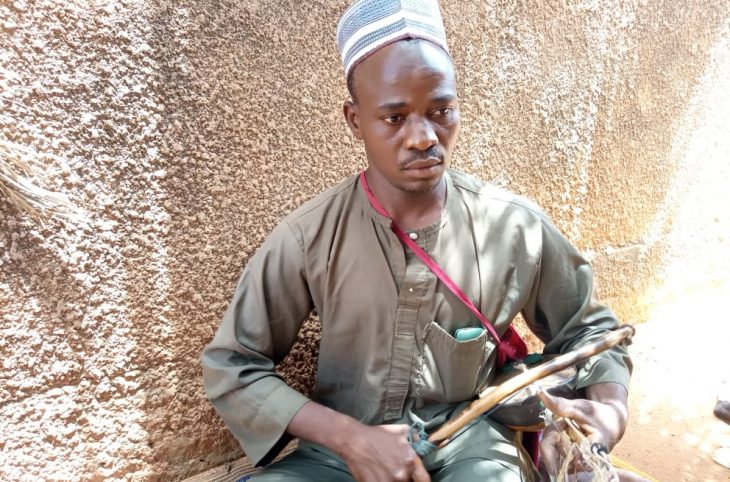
[(186, 130)]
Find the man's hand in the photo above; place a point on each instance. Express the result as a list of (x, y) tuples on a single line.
[(382, 453), (602, 417), (373, 454)]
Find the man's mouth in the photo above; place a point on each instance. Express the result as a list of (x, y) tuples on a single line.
[(424, 164)]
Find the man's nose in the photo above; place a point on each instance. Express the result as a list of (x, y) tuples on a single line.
[(420, 134)]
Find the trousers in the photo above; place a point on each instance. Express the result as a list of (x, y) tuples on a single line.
[(486, 451)]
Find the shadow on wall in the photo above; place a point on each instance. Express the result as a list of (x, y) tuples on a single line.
[(673, 396), (237, 155), (692, 227), (639, 167)]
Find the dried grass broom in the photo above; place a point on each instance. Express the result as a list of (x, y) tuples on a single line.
[(17, 171)]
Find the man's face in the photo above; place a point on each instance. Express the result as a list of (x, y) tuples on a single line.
[(406, 112)]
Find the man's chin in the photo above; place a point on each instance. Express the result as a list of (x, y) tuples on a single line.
[(421, 185)]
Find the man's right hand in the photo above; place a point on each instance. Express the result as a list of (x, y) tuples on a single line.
[(378, 453), (382, 453)]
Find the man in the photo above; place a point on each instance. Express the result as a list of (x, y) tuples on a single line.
[(388, 350)]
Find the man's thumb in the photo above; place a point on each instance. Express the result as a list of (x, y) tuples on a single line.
[(559, 406)]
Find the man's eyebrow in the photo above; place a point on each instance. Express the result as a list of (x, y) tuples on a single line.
[(439, 99), (443, 99), (392, 106)]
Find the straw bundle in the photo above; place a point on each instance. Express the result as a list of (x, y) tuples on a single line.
[(17, 171), (581, 462)]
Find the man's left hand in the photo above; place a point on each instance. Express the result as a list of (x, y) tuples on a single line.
[(602, 417)]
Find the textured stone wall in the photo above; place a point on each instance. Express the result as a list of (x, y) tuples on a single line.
[(186, 130)]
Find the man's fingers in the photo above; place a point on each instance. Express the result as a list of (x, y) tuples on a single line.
[(549, 457), (596, 421), (562, 407), (397, 429), (550, 447), (420, 474)]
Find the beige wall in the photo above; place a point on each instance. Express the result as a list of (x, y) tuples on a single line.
[(186, 130)]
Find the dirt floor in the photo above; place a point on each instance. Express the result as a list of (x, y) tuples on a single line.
[(681, 358), (682, 352)]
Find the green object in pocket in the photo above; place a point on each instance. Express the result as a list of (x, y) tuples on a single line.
[(466, 334)]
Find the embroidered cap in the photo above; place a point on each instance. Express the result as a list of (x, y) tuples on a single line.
[(369, 25)]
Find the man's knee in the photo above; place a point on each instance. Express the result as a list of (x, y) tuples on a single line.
[(480, 469), (304, 465)]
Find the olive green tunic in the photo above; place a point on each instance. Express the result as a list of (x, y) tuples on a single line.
[(387, 322)]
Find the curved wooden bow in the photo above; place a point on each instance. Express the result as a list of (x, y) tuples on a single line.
[(491, 397)]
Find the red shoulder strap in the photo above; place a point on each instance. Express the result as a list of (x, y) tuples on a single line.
[(510, 346)]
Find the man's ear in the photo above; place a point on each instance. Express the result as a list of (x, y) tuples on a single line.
[(352, 117)]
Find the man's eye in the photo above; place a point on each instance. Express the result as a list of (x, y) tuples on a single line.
[(393, 119), (443, 112)]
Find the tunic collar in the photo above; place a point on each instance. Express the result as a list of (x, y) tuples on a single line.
[(437, 225)]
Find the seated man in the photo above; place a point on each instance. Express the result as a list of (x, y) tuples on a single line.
[(388, 348)]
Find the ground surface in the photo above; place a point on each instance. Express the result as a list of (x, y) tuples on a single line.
[(681, 357)]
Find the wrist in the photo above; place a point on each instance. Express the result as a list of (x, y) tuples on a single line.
[(324, 426), (609, 393), (615, 396), (347, 437)]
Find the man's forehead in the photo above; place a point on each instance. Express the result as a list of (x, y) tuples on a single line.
[(369, 25), (403, 63), (411, 55)]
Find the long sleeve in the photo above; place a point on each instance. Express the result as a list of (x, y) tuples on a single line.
[(563, 312), (258, 330)]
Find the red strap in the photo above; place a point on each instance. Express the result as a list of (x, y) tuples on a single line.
[(511, 347)]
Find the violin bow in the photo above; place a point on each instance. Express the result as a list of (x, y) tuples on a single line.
[(490, 397)]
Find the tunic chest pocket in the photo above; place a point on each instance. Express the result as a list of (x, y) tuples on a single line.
[(450, 370)]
